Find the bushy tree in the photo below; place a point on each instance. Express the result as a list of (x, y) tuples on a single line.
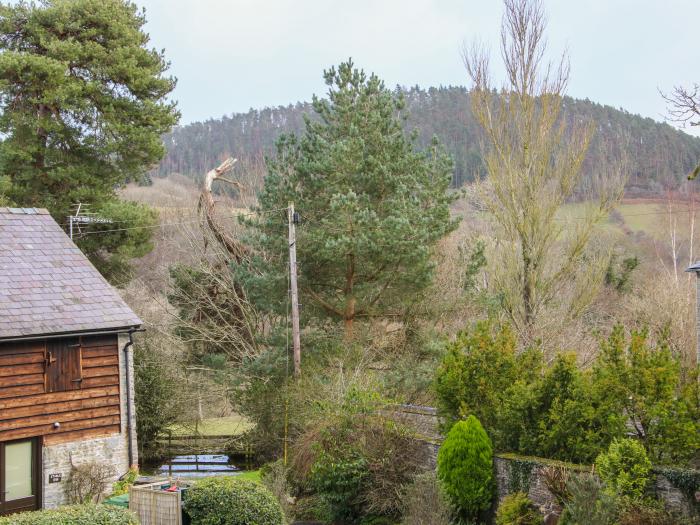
[(645, 384), (465, 467), (533, 158), (564, 412), (477, 373), (157, 400), (112, 246), (372, 208), (82, 109), (625, 468), (557, 417)]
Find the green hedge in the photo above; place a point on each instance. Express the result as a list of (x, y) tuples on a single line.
[(232, 501), (74, 515)]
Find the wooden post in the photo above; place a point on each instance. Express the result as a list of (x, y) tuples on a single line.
[(296, 338)]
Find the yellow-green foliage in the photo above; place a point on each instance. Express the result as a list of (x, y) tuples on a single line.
[(625, 468), (465, 467), (74, 515), (517, 509)]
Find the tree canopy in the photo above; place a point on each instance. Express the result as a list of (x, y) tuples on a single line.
[(372, 207), (83, 105)]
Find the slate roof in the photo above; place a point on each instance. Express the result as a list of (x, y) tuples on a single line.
[(47, 285)]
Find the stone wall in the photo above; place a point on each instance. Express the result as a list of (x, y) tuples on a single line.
[(58, 459), (516, 473)]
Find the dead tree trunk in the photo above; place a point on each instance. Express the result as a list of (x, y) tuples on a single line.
[(206, 208)]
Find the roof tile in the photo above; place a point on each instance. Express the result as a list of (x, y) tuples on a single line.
[(47, 285)]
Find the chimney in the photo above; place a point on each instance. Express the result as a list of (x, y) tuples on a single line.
[(696, 269)]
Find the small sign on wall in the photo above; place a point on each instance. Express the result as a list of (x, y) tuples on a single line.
[(55, 478)]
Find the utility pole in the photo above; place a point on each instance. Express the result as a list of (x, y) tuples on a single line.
[(293, 219)]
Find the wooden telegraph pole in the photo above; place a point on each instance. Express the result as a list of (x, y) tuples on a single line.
[(296, 338)]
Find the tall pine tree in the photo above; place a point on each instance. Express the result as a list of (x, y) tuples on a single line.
[(372, 208), (82, 109)]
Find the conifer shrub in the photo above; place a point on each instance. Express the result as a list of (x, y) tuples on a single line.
[(588, 503), (465, 467), (232, 501), (625, 469), (518, 509)]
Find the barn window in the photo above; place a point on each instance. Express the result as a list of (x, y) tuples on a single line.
[(63, 365)]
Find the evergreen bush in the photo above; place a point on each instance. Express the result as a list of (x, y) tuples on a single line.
[(625, 469), (517, 509), (232, 501), (74, 515), (465, 467)]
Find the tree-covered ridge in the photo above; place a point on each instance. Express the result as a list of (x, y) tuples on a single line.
[(658, 155)]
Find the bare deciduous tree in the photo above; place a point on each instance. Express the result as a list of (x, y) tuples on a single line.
[(684, 109), (533, 159)]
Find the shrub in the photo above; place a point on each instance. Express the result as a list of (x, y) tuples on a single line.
[(557, 417), (74, 515), (339, 483), (232, 501), (465, 467), (625, 468), (476, 373), (588, 505), (88, 482), (274, 477), (517, 509), (648, 385), (122, 486), (356, 459), (648, 513), (556, 479), (425, 502), (158, 403)]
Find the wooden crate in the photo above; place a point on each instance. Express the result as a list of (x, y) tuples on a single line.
[(154, 506)]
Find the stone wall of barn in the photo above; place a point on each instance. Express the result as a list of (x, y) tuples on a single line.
[(58, 460)]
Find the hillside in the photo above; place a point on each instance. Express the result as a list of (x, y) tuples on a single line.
[(659, 156)]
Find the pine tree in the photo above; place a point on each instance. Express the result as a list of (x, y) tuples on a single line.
[(372, 208), (82, 106)]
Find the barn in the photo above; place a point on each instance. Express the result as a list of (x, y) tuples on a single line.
[(66, 367)]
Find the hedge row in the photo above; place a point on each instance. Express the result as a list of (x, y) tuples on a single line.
[(74, 515)]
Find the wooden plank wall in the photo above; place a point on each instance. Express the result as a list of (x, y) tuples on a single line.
[(26, 410)]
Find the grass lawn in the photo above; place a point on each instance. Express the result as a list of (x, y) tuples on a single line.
[(219, 426), (252, 475)]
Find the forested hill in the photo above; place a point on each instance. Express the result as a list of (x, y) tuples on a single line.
[(659, 156)]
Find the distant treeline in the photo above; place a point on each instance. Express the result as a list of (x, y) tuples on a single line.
[(658, 156)]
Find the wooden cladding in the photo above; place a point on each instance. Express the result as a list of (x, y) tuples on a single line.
[(80, 392)]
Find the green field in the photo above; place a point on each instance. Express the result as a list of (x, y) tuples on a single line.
[(220, 426), (647, 216)]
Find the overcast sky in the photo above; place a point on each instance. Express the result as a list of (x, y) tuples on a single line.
[(232, 55)]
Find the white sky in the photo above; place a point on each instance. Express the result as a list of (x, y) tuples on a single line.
[(231, 55)]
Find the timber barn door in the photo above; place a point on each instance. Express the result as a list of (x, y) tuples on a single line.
[(20, 476), (63, 365)]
